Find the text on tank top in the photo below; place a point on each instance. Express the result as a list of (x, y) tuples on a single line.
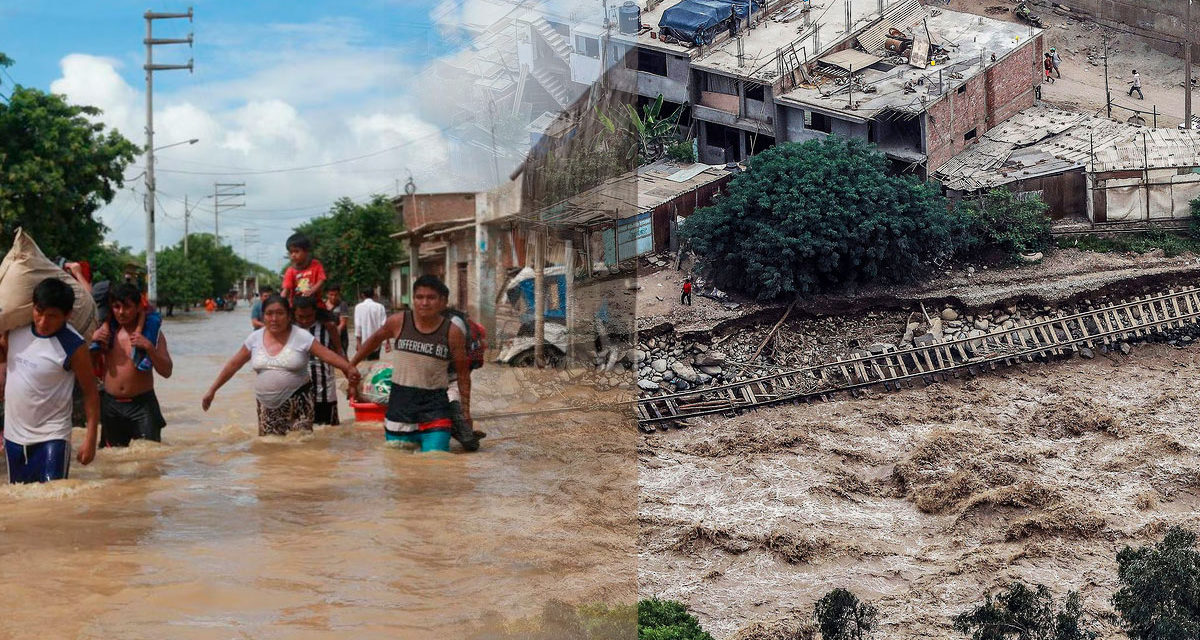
[(419, 359)]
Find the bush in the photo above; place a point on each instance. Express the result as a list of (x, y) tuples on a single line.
[(667, 620), (841, 616), (1195, 222), (1021, 613), (815, 216), (1159, 597), (682, 151), (998, 223)]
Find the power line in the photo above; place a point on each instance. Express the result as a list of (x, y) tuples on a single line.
[(440, 131)]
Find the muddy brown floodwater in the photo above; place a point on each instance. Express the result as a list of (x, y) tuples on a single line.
[(923, 500), (217, 533)]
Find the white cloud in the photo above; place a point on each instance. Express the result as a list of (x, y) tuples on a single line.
[(268, 129)]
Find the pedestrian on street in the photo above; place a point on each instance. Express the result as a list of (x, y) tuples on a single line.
[(424, 345), (1135, 84), (1056, 60), (686, 296)]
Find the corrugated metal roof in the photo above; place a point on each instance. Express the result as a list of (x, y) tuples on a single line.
[(902, 15), (1043, 141)]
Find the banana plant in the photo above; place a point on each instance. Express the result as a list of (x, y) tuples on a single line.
[(649, 128)]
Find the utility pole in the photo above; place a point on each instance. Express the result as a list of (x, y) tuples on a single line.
[(187, 216), (1187, 67), (223, 197), (150, 68), (1107, 92)]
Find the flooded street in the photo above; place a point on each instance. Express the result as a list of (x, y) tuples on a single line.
[(217, 533)]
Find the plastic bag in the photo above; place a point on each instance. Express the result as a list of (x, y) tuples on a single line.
[(376, 385)]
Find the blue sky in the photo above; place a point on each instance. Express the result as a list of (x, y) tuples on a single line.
[(277, 85)]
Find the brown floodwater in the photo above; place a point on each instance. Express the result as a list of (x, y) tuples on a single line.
[(216, 533)]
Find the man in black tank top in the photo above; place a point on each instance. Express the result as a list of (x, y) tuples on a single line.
[(424, 343)]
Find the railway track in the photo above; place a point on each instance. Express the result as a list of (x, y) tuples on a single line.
[(927, 362)]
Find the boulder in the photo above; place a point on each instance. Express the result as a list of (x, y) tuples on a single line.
[(659, 365), (949, 314), (635, 356), (1087, 353), (710, 359), (711, 371), (647, 385), (684, 371)]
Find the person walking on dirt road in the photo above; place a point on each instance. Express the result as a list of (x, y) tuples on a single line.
[(1135, 84), (1055, 60), (685, 297), (1047, 67)]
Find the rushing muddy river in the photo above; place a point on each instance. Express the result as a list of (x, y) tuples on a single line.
[(217, 533)]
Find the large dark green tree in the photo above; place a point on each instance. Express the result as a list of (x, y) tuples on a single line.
[(841, 615), (57, 168), (1023, 613), (1159, 598), (354, 243), (814, 216)]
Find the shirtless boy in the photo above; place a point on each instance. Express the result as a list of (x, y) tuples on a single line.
[(128, 407)]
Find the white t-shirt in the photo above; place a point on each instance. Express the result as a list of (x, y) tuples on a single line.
[(369, 316), (37, 396), (280, 375)]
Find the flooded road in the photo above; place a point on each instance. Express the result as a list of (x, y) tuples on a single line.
[(217, 533)]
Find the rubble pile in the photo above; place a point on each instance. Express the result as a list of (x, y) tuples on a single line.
[(670, 364)]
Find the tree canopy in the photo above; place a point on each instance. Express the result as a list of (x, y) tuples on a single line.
[(667, 620), (1159, 597), (809, 217), (57, 168), (354, 243)]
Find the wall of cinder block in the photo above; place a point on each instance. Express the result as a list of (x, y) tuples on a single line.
[(1158, 19), (985, 101)]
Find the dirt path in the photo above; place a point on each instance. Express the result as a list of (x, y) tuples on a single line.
[(1081, 46), (923, 500)]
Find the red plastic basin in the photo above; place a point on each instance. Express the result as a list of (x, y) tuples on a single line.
[(368, 411)]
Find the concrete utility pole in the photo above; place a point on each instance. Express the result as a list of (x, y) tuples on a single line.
[(150, 67), (226, 190), (187, 218), (1187, 67)]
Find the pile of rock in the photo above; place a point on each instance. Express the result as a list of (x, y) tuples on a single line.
[(663, 365)]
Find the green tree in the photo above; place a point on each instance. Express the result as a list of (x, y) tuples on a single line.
[(181, 282), (354, 243), (814, 216), (1022, 613), (1159, 597), (841, 616), (109, 261), (225, 268), (997, 222), (57, 168), (667, 620)]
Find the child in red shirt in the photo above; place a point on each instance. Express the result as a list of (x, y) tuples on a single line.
[(686, 296), (306, 275)]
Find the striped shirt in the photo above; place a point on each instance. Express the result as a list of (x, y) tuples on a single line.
[(321, 372)]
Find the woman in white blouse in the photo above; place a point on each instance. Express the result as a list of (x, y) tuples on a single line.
[(279, 353)]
